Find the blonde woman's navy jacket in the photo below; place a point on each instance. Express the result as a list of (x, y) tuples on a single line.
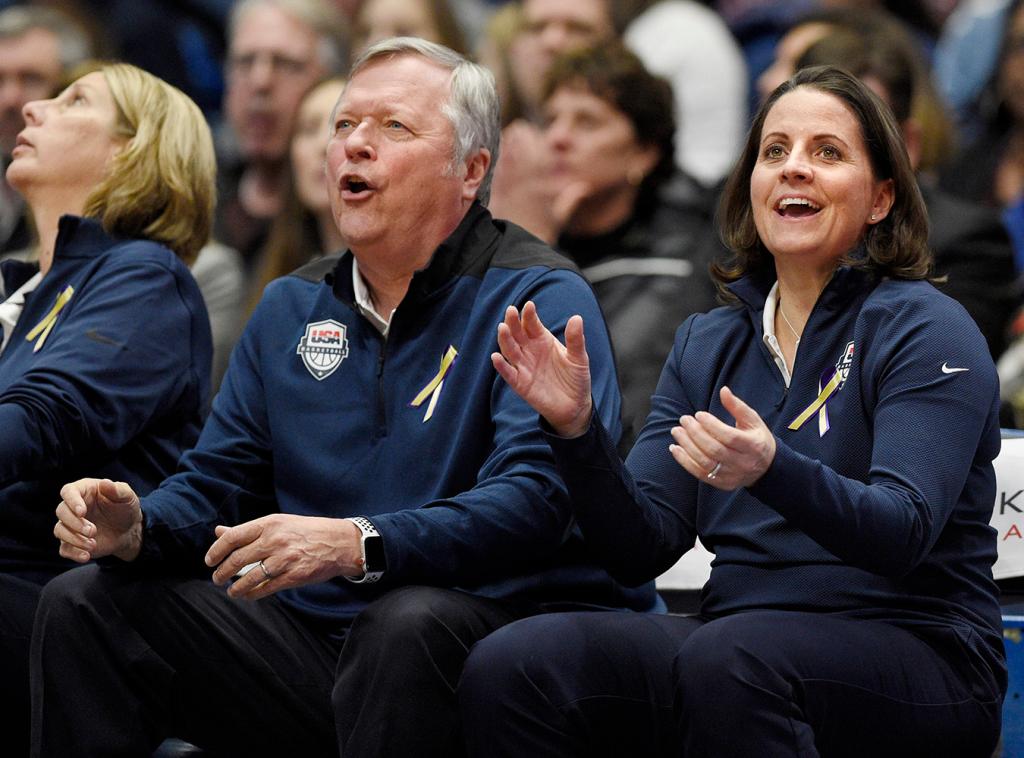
[(116, 387), (319, 415), (878, 508)]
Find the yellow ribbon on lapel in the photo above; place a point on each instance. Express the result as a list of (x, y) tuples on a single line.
[(434, 386), (819, 402), (43, 328)]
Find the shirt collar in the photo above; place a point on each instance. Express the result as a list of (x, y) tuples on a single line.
[(87, 235), (365, 302), (466, 250), (11, 308), (770, 340)]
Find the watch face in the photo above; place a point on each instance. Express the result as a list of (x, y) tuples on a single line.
[(374, 550)]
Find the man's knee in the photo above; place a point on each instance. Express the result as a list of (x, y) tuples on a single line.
[(414, 634), (408, 613)]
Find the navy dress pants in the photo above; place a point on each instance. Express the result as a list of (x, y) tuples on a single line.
[(761, 683), (120, 660)]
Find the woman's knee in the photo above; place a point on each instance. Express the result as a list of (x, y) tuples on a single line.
[(728, 652), (515, 663)]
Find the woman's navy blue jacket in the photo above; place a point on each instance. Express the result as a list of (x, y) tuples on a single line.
[(884, 514), (117, 388)]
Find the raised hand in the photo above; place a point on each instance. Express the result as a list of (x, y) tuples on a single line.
[(724, 456), (98, 517), (553, 378)]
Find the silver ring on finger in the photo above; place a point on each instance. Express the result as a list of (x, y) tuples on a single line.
[(266, 572), (713, 473)]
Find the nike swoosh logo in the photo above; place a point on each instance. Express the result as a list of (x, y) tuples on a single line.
[(947, 370), (97, 337)]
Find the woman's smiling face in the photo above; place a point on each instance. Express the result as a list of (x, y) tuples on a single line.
[(813, 189)]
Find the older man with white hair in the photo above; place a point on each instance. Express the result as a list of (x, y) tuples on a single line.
[(371, 497)]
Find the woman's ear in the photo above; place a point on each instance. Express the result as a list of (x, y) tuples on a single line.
[(884, 197)]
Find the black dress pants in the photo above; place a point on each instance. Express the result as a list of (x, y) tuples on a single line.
[(18, 599), (121, 660)]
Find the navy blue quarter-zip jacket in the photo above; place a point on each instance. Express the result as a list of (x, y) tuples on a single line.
[(882, 512), (117, 387), (320, 415)]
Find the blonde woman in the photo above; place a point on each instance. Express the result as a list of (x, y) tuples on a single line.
[(105, 352)]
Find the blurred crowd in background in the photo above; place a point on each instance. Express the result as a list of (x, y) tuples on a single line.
[(621, 118)]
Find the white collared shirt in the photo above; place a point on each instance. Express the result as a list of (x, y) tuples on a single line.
[(365, 302), (10, 309), (769, 332)]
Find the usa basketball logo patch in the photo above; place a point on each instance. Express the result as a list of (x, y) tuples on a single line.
[(323, 347)]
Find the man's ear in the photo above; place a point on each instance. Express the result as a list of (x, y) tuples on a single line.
[(476, 170)]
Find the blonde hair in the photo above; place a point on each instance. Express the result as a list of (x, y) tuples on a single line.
[(161, 186)]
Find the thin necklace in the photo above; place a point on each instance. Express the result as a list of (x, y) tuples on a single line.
[(795, 333)]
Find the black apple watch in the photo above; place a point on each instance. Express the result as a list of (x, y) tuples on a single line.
[(372, 546)]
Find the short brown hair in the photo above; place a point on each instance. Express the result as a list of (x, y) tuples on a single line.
[(161, 185), (616, 75), (897, 246)]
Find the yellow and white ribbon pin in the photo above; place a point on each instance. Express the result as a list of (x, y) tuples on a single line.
[(434, 386), (819, 406), (43, 328)]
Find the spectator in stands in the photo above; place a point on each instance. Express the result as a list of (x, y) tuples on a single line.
[(936, 140), (37, 45), (105, 360), (509, 55), (991, 170), (851, 608), (391, 490), (690, 46), (966, 55), (305, 230), (277, 49), (680, 40), (431, 20), (969, 242), (600, 182)]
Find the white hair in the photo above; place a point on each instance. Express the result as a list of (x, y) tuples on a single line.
[(321, 17), (72, 41), (472, 107)]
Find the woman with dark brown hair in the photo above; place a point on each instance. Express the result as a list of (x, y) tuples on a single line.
[(599, 182), (829, 435)]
